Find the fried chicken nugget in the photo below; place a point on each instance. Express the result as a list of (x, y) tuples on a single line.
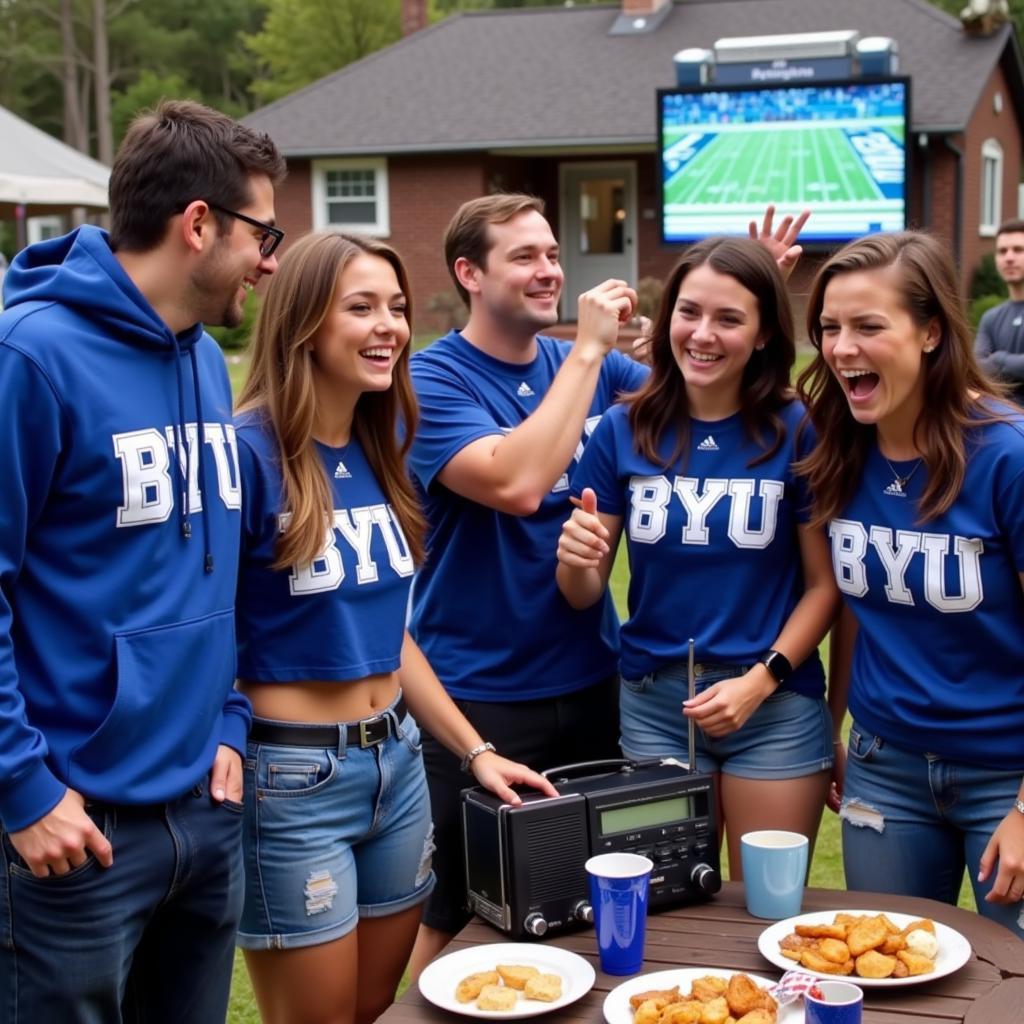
[(925, 922), (545, 987), (822, 931), (516, 975), (834, 949), (716, 1011), (757, 1017), (707, 988), (891, 928), (664, 996), (682, 1013), (893, 944), (814, 961), (496, 997), (873, 964), (469, 988), (867, 934), (648, 1011), (916, 964), (845, 920), (900, 970), (742, 995)]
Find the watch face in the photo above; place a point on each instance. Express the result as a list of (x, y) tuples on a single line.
[(778, 665)]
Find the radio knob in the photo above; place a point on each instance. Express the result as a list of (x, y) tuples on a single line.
[(706, 879), (584, 912), (535, 924)]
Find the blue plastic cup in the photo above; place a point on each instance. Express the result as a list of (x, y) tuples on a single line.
[(839, 1003), (774, 872), (618, 894)]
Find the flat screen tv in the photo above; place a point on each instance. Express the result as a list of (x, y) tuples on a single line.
[(838, 148)]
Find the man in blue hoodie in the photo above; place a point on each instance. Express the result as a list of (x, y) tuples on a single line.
[(120, 733)]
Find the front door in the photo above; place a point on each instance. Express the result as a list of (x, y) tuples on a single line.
[(597, 228)]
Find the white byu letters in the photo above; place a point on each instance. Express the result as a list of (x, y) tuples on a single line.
[(145, 457), (850, 541), (651, 495), (327, 571)]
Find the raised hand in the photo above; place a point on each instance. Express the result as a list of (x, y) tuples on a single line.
[(600, 313), (584, 539), (780, 243), (642, 343)]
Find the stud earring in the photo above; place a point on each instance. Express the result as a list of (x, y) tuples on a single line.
[(928, 349)]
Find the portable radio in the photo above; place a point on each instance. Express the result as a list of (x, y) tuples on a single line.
[(524, 864)]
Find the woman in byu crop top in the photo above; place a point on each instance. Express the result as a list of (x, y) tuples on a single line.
[(337, 818), (696, 469), (919, 476)]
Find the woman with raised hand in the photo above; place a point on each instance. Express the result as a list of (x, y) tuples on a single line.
[(337, 836), (696, 469), (918, 475)]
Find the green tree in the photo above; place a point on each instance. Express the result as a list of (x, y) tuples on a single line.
[(303, 40)]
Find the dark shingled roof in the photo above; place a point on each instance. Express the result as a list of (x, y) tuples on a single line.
[(540, 77)]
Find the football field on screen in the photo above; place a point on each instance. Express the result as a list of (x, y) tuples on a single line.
[(725, 171)]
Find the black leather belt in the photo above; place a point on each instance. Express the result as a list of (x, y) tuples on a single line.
[(367, 733)]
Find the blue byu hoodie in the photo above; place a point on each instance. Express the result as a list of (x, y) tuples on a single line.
[(117, 646)]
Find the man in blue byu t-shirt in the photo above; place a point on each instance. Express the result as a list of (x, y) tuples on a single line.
[(504, 416), (121, 735)]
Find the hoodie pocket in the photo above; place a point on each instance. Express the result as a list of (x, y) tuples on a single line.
[(163, 726)]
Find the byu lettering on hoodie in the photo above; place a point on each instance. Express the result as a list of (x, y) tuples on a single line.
[(340, 617), (938, 664), (119, 533)]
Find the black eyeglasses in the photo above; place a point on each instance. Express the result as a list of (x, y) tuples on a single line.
[(270, 237)]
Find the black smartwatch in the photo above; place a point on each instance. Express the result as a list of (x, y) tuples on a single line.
[(778, 666)]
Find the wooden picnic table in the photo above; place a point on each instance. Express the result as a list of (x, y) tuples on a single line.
[(988, 989)]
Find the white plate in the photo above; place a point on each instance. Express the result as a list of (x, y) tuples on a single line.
[(954, 949), (618, 1011), (440, 978)]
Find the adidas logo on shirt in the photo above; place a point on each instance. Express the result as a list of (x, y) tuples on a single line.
[(341, 473), (524, 390), (707, 445)]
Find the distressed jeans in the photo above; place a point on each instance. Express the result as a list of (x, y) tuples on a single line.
[(912, 822), (149, 939)]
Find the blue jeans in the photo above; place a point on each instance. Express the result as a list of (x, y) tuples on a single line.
[(912, 822), (149, 939), (332, 835), (787, 737)]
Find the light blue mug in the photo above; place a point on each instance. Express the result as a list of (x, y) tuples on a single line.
[(774, 872)]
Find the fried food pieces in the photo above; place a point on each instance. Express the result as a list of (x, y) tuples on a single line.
[(868, 945), (498, 990), (711, 1000)]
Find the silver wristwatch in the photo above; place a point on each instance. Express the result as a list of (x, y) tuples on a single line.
[(473, 754)]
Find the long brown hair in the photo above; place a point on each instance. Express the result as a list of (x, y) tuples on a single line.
[(660, 405), (280, 386), (954, 384)]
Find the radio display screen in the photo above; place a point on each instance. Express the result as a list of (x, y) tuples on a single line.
[(657, 812)]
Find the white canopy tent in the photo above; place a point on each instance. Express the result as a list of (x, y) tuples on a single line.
[(41, 174)]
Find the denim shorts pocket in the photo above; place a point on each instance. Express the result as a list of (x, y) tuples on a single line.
[(102, 820), (409, 731), (863, 746), (293, 771), (640, 685)]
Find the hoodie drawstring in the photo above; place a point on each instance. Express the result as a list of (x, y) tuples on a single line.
[(208, 554), (184, 511)]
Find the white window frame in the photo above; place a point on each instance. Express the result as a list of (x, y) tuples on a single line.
[(990, 213), (381, 227)]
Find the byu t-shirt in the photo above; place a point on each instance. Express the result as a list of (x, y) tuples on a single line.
[(938, 665), (343, 615), (713, 547), (486, 610)]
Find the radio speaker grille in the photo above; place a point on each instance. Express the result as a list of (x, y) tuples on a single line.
[(556, 849)]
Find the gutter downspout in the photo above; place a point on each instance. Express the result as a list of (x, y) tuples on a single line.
[(926, 180), (958, 210)]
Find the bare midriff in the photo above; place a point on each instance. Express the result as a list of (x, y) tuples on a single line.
[(315, 700)]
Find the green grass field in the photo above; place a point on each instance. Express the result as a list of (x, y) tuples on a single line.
[(827, 864)]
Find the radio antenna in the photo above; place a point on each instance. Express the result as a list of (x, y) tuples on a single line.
[(691, 680)]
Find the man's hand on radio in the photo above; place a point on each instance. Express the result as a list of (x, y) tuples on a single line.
[(499, 774), (723, 707)]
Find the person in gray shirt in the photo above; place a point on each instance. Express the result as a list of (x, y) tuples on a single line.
[(999, 344)]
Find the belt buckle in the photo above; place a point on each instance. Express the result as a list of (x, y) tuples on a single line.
[(365, 739)]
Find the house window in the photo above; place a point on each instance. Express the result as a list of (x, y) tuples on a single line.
[(991, 187), (351, 195)]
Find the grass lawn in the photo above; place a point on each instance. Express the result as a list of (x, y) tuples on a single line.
[(827, 864)]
